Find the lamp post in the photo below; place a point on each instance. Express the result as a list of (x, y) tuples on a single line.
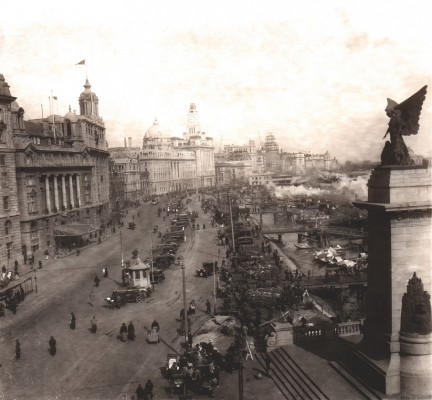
[(185, 316), (36, 289)]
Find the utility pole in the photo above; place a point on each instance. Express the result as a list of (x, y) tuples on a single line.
[(214, 287), (232, 224), (240, 379), (185, 316)]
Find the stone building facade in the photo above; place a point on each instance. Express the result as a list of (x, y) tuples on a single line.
[(172, 163), (10, 233), (126, 162), (62, 175)]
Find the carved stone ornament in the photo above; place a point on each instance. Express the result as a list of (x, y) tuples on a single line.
[(416, 309), (404, 121)]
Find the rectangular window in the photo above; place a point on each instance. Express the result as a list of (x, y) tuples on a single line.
[(2, 159), (137, 274), (30, 180), (31, 202), (5, 202), (3, 182)]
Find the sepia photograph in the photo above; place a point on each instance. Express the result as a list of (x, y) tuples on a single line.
[(226, 200)]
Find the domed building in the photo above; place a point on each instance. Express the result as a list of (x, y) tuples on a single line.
[(169, 167)]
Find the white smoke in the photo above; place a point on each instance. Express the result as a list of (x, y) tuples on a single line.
[(340, 188)]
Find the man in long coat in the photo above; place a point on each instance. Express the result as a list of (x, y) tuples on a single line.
[(131, 331)]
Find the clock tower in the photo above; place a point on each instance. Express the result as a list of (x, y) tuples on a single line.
[(193, 125)]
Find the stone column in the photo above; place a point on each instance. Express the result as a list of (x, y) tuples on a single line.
[(72, 198), (78, 184), (47, 193), (64, 199), (56, 197), (400, 243)]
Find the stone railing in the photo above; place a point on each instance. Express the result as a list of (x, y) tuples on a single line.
[(310, 333), (349, 328), (316, 333)]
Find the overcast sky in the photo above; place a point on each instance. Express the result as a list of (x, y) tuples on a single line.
[(314, 73)]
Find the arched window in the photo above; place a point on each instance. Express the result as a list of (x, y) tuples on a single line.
[(8, 227)]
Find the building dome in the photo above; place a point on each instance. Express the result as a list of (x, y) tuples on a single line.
[(88, 94), (154, 131), (71, 116)]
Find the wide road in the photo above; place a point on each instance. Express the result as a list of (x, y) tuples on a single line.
[(98, 366)]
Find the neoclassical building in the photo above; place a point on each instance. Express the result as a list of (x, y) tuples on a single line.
[(62, 175), (10, 233), (174, 163)]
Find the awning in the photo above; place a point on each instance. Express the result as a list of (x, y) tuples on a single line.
[(74, 230)]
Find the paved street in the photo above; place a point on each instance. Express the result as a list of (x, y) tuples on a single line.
[(98, 366)]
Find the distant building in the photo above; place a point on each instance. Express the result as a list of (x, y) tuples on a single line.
[(248, 152), (270, 152), (126, 163), (258, 179), (234, 172), (174, 163)]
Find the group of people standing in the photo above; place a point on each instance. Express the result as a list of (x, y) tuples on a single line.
[(127, 332), (146, 392)]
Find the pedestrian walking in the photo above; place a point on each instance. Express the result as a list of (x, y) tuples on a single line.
[(140, 392), (40, 264), (123, 332), (131, 331), (72, 323), (148, 389), (208, 306), (106, 272), (96, 281), (53, 346), (93, 324), (268, 362), (17, 349), (91, 298)]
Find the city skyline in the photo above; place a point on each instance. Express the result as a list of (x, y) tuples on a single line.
[(318, 81)]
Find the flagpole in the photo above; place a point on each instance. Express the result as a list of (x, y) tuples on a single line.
[(53, 121)]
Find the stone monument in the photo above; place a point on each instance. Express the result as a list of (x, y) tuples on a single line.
[(399, 235)]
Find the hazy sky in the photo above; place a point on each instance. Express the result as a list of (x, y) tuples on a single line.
[(315, 73)]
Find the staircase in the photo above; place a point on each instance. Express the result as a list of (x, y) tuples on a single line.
[(290, 379), (363, 388), (301, 375)]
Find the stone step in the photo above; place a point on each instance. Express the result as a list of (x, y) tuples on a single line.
[(357, 383), (290, 379)]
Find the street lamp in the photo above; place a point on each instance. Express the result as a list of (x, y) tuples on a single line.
[(185, 316), (35, 278)]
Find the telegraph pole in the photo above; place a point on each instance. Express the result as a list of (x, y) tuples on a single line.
[(185, 317), (232, 224)]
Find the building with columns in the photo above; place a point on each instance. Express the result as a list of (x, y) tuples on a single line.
[(169, 166), (172, 163), (10, 234), (62, 175)]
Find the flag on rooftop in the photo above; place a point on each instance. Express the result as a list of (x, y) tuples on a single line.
[(82, 62)]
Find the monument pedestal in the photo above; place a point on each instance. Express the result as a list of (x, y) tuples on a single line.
[(399, 237)]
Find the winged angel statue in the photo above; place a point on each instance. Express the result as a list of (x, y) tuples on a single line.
[(404, 121)]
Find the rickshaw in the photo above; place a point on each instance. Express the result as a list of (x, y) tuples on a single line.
[(153, 336)]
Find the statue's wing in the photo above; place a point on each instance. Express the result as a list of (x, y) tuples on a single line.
[(410, 112)]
